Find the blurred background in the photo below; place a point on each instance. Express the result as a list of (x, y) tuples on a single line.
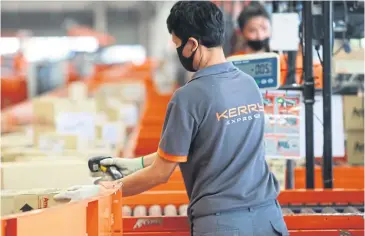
[(51, 44), (87, 78)]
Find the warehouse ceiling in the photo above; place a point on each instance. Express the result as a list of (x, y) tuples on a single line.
[(59, 6)]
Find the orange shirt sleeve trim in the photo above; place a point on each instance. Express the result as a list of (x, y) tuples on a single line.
[(170, 157)]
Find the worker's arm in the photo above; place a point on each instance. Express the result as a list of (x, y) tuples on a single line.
[(178, 131), (157, 173)]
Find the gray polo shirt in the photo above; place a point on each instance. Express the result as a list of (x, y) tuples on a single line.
[(214, 128)]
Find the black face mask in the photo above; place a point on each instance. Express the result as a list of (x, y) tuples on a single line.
[(186, 62), (258, 45)]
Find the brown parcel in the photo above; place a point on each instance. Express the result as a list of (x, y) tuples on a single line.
[(353, 107), (355, 147), (46, 109), (21, 201), (11, 140)]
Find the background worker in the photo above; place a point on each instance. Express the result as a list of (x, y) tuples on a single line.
[(254, 37), (254, 30), (213, 129)]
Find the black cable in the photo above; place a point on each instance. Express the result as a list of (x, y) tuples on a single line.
[(319, 56), (319, 120)]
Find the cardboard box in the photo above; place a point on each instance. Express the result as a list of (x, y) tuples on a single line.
[(58, 174), (22, 201), (124, 92), (113, 133), (7, 203), (45, 198), (349, 63), (112, 113), (353, 112), (81, 124), (78, 91), (37, 130), (47, 109), (129, 113), (20, 139), (355, 147), (59, 142)]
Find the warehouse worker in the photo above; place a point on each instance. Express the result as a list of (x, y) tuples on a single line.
[(254, 30), (214, 130), (254, 37)]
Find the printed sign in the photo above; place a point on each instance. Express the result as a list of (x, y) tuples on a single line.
[(282, 124)]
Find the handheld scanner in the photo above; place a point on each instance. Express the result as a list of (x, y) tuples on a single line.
[(95, 166)]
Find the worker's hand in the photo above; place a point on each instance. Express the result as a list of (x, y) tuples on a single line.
[(77, 193), (126, 166)]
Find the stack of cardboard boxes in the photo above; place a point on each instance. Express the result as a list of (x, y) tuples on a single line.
[(354, 128), (51, 154)]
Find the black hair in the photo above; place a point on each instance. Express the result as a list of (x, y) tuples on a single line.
[(202, 20), (253, 10)]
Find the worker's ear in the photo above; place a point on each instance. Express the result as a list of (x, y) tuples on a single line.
[(194, 44)]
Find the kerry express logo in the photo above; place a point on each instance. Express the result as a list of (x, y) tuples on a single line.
[(240, 113)]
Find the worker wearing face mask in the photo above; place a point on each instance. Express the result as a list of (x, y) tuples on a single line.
[(254, 36), (214, 131), (254, 30)]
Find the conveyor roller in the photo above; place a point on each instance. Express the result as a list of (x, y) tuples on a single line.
[(172, 210)]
